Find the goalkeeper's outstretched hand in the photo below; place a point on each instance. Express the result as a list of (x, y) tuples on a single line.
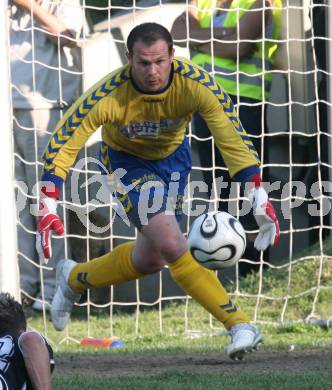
[(265, 216), (48, 222)]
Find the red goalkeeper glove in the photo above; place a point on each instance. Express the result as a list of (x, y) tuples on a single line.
[(48, 222), (265, 216)]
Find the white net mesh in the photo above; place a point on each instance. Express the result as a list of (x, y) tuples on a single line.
[(291, 282)]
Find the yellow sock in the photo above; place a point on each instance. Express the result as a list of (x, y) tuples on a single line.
[(204, 286), (113, 268)]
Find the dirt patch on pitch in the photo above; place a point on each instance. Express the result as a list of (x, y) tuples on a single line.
[(116, 365)]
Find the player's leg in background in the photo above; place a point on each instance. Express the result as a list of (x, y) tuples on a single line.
[(27, 257), (32, 142), (45, 123), (253, 119)]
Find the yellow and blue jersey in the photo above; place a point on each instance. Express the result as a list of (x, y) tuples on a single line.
[(150, 125)]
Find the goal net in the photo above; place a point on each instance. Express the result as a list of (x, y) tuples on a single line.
[(291, 282)]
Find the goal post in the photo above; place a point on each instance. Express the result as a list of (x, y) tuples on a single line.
[(329, 94), (9, 274)]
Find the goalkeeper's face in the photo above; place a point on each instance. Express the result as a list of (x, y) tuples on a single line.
[(151, 65)]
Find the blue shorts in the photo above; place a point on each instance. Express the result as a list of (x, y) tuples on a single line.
[(148, 187)]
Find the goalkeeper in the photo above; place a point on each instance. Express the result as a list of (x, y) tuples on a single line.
[(144, 108)]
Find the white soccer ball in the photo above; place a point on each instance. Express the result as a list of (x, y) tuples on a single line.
[(217, 240)]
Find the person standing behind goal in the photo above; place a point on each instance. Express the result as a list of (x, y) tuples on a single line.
[(45, 77), (144, 108)]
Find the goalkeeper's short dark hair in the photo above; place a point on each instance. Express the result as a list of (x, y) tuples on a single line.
[(12, 317), (149, 33)]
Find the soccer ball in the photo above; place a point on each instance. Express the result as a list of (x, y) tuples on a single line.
[(217, 240)]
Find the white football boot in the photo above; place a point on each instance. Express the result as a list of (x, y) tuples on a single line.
[(244, 338), (64, 296)]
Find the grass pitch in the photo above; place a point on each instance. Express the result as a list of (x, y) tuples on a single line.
[(189, 352)]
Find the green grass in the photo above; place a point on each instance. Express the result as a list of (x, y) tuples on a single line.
[(289, 305), (297, 337), (276, 337), (183, 381), (286, 285)]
